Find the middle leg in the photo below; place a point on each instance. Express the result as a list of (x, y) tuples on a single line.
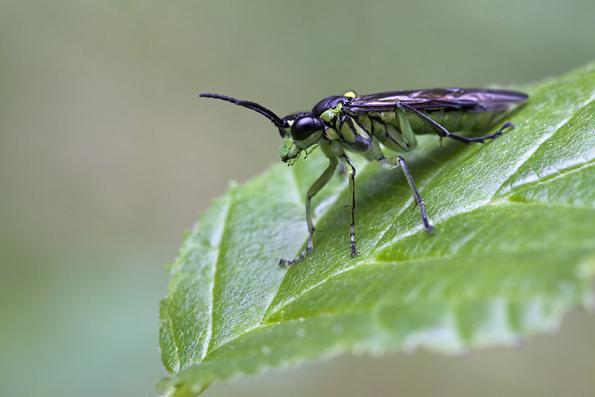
[(351, 175), (399, 161)]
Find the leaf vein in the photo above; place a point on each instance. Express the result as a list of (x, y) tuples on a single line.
[(209, 340), (547, 136)]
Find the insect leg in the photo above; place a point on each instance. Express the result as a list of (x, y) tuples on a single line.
[(312, 191), (400, 161), (444, 133), (351, 176)]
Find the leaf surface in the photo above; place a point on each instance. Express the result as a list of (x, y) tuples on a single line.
[(513, 250)]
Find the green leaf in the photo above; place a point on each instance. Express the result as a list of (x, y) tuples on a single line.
[(513, 250)]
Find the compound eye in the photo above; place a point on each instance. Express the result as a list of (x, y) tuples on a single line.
[(304, 127)]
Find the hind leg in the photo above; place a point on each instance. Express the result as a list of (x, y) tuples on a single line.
[(444, 133)]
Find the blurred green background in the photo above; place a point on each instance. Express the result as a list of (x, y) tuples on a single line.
[(107, 156)]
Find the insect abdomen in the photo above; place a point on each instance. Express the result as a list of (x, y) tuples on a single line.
[(456, 121)]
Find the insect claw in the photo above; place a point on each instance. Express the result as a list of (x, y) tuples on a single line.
[(506, 126), (286, 264), (429, 228)]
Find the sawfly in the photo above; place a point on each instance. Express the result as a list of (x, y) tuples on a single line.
[(364, 124)]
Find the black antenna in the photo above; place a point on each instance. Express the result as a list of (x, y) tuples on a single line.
[(280, 124)]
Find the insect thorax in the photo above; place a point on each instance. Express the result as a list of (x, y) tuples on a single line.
[(360, 132)]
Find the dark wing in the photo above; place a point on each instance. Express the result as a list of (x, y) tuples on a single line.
[(469, 99)]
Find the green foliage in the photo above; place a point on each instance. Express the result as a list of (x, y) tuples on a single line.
[(512, 252)]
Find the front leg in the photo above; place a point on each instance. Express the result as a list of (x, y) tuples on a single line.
[(312, 191)]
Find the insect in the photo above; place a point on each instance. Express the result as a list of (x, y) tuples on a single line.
[(365, 124)]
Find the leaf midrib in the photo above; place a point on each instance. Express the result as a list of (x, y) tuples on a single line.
[(209, 340)]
